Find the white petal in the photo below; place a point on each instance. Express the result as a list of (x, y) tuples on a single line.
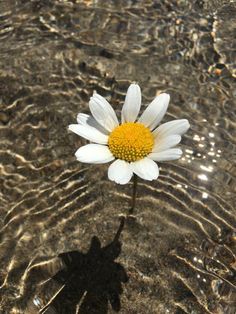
[(169, 154), (103, 112), (155, 111), (82, 118), (146, 169), (120, 171), (132, 104), (94, 154), (165, 142), (172, 127), (85, 119), (89, 133)]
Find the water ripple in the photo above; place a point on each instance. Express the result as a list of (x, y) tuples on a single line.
[(179, 250)]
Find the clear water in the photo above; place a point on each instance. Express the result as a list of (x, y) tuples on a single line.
[(178, 253)]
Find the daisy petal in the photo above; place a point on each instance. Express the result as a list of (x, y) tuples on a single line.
[(169, 154), (82, 118), (172, 127), (132, 104), (94, 154), (120, 171), (146, 169), (165, 143), (89, 133), (85, 119), (103, 112), (155, 111)]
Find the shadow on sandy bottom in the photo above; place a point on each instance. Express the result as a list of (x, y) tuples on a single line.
[(89, 281)]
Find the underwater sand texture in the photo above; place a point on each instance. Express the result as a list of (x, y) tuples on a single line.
[(58, 217)]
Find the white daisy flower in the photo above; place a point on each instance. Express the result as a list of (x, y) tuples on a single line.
[(136, 143)]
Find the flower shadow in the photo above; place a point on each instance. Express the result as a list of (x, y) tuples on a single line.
[(89, 282)]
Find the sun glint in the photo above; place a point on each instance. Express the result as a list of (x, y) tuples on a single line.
[(131, 141)]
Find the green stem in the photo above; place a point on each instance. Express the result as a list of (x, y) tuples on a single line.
[(135, 183)]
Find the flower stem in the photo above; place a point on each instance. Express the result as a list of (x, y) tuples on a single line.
[(135, 183)]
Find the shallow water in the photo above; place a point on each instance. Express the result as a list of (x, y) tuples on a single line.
[(178, 253)]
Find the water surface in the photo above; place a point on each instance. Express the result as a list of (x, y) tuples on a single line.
[(179, 251)]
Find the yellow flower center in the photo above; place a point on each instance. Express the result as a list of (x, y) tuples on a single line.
[(131, 141)]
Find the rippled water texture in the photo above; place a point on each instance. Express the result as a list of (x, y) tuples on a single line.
[(178, 254)]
